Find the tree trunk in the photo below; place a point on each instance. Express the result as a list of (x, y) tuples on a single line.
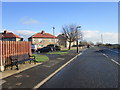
[(69, 45)]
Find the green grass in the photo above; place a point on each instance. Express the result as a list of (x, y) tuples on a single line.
[(66, 50), (61, 53), (41, 58)]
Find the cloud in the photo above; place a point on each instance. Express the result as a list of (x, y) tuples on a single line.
[(25, 33), (29, 21), (95, 36)]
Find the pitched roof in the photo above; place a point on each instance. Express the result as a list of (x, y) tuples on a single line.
[(43, 35), (7, 34)]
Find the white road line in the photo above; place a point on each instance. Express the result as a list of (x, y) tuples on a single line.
[(51, 75), (112, 60), (115, 61), (105, 55)]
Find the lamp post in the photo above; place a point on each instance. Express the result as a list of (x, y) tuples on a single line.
[(54, 36), (77, 37)]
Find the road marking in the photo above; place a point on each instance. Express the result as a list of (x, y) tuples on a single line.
[(55, 72), (112, 60), (115, 62), (105, 55)]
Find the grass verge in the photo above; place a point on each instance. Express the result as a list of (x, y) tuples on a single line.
[(61, 53), (41, 58)]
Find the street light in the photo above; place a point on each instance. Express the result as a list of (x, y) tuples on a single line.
[(77, 37), (54, 36)]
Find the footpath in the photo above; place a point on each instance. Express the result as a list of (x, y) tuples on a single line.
[(30, 77)]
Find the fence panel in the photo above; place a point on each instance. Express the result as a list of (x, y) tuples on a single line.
[(10, 48)]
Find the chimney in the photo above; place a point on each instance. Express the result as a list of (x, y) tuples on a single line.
[(5, 31), (42, 32)]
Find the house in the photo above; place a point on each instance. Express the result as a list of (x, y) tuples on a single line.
[(9, 36), (43, 39), (62, 41)]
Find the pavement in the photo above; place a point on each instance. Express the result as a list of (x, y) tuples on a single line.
[(92, 69), (31, 77), (8, 72)]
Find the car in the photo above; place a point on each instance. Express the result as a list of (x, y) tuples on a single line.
[(44, 49), (88, 46), (55, 47)]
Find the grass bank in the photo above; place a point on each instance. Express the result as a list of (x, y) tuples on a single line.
[(41, 58)]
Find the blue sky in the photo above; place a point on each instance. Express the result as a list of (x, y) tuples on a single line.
[(26, 18)]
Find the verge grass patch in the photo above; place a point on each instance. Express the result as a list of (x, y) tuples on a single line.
[(41, 58), (61, 53)]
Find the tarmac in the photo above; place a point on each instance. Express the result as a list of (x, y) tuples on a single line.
[(9, 77)]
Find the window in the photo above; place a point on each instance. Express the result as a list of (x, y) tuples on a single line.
[(40, 40), (50, 40), (40, 45), (34, 40), (12, 39)]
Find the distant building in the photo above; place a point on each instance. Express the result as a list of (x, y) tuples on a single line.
[(62, 41), (43, 39), (9, 36)]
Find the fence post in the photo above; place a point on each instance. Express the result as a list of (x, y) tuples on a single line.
[(1, 61)]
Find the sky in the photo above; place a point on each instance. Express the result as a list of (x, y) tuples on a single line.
[(95, 18)]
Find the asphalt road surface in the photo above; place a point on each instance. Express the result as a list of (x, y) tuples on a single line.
[(94, 68)]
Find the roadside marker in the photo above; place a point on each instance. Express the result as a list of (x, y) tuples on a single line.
[(51, 75)]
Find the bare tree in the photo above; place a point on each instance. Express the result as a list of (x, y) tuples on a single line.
[(71, 33)]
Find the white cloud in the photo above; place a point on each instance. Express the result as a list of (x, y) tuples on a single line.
[(29, 21), (25, 33), (95, 36)]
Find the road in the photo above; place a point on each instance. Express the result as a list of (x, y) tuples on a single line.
[(94, 68)]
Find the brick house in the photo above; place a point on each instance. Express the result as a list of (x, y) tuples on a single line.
[(62, 41), (9, 36), (43, 39)]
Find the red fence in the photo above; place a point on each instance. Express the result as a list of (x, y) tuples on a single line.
[(11, 48)]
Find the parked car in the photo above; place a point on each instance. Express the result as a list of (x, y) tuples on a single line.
[(88, 46), (33, 47), (55, 47), (44, 49)]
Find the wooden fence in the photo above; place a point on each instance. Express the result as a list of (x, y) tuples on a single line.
[(11, 48)]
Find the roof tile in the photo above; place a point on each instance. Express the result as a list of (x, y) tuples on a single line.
[(45, 35)]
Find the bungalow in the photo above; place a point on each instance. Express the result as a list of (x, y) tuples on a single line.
[(9, 36), (43, 39)]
